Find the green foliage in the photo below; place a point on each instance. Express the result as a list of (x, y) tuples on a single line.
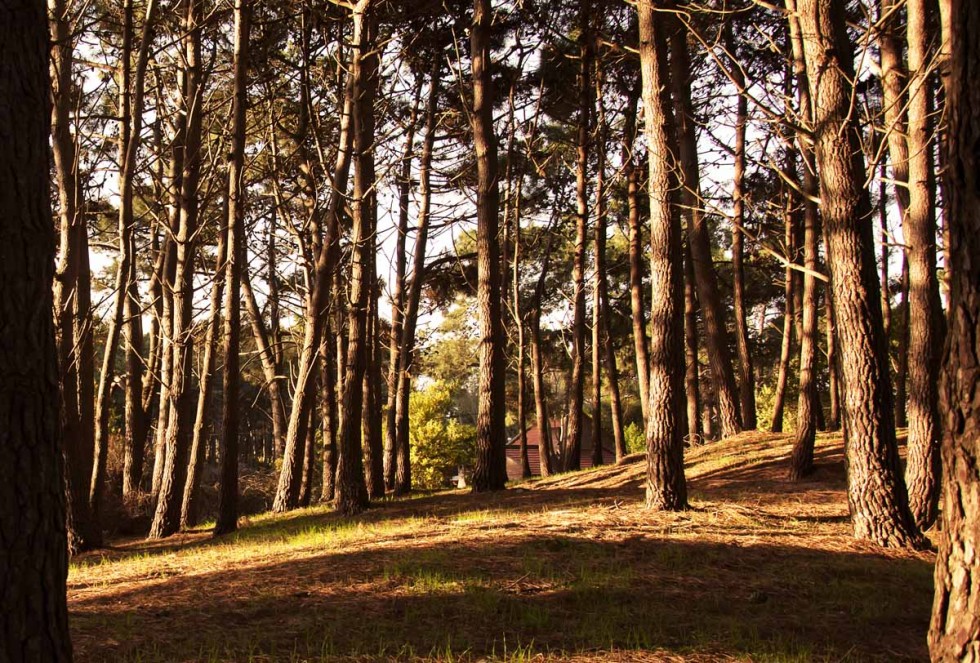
[(636, 441), (440, 443)]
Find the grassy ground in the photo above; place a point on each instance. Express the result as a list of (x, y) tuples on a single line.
[(572, 567)]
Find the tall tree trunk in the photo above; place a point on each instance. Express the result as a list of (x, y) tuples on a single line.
[(746, 382), (876, 492), (403, 470), (571, 453), (808, 405), (601, 332), (902, 363), (131, 98), (287, 490), (188, 511), (954, 634), (351, 491), (925, 311), (166, 518), (66, 282), (666, 488), (833, 383), (398, 291), (490, 472), (227, 519), (716, 333), (641, 343), (34, 557)]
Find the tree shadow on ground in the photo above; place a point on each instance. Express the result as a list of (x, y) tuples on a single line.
[(544, 594)]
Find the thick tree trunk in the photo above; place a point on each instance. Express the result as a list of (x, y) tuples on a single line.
[(572, 451), (876, 492), (925, 311), (954, 634), (490, 472), (716, 333), (227, 518), (33, 549), (666, 488), (328, 410)]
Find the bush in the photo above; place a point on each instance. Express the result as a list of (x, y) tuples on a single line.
[(440, 443)]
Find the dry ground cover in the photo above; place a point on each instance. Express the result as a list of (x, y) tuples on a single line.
[(568, 568)]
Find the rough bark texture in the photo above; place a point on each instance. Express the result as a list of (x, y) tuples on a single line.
[(692, 368), (955, 631), (490, 472), (876, 492), (666, 488), (33, 546), (925, 311)]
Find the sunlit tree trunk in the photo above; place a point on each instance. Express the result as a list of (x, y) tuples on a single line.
[(666, 488), (954, 634)]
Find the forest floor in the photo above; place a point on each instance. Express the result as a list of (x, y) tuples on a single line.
[(572, 567)]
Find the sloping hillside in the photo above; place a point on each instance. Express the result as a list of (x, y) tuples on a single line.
[(568, 567)]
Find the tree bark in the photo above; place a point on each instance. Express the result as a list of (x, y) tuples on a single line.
[(876, 492), (954, 634), (692, 367), (925, 311), (33, 549), (490, 472), (666, 488), (786, 347)]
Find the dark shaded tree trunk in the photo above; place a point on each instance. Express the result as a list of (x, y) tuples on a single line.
[(954, 634), (876, 492), (833, 383), (712, 312), (902, 363), (370, 415), (666, 488), (227, 518), (545, 448), (33, 549), (328, 410), (490, 472)]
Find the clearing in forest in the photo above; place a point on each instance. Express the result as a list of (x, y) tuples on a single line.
[(571, 567)]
